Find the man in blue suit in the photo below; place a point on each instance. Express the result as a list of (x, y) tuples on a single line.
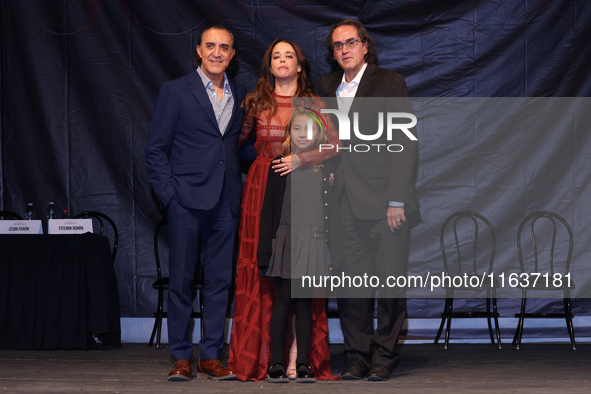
[(191, 154)]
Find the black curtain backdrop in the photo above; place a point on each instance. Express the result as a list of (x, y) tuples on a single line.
[(79, 80)]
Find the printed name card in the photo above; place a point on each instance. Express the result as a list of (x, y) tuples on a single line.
[(70, 226), (21, 227)]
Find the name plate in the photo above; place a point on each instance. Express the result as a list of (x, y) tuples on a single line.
[(21, 227), (70, 226)]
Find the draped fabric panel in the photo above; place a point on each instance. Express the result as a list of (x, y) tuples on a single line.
[(78, 81)]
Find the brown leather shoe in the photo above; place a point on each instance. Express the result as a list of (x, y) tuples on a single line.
[(181, 371), (215, 370)]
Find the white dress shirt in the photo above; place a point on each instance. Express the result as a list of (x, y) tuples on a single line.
[(348, 90)]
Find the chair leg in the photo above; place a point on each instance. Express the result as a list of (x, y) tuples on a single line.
[(154, 330), (490, 330), (447, 330), (569, 321), (159, 335), (519, 331), (443, 317), (158, 322), (514, 342), (496, 317)]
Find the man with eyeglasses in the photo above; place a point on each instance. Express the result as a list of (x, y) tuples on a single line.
[(377, 200)]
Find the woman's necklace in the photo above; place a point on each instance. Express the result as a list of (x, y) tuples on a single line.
[(283, 99)]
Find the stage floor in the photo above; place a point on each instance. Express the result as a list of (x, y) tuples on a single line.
[(463, 368)]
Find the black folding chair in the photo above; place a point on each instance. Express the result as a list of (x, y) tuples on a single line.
[(469, 236), (161, 284), (99, 216), (554, 275)]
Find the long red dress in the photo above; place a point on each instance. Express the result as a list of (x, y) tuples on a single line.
[(253, 304)]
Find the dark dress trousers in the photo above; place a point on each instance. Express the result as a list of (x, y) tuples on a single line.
[(366, 183), (194, 171)]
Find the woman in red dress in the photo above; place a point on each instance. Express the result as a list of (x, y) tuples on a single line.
[(284, 74)]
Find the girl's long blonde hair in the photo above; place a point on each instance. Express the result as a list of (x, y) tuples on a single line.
[(318, 121)]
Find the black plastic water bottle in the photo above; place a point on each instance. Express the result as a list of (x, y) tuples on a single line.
[(30, 212), (65, 214)]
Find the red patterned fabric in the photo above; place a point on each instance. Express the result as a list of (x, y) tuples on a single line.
[(253, 304)]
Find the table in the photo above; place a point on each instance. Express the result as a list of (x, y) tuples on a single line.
[(56, 291)]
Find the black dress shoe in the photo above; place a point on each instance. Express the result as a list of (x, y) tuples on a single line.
[(355, 371), (276, 374), (305, 374), (378, 373)]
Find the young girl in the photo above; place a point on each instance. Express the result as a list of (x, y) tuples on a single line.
[(293, 245)]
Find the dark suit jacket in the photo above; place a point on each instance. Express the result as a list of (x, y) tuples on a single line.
[(187, 156), (373, 179)]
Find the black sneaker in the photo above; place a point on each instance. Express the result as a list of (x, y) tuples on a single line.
[(355, 371), (305, 374), (276, 374), (378, 373)]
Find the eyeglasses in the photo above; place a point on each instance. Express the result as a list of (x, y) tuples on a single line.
[(351, 43)]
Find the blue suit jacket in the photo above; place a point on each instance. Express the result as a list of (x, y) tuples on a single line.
[(187, 156)]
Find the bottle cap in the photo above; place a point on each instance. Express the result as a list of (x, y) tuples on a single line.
[(51, 203), (30, 204)]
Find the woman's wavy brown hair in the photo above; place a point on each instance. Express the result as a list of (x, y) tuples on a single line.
[(262, 97)]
